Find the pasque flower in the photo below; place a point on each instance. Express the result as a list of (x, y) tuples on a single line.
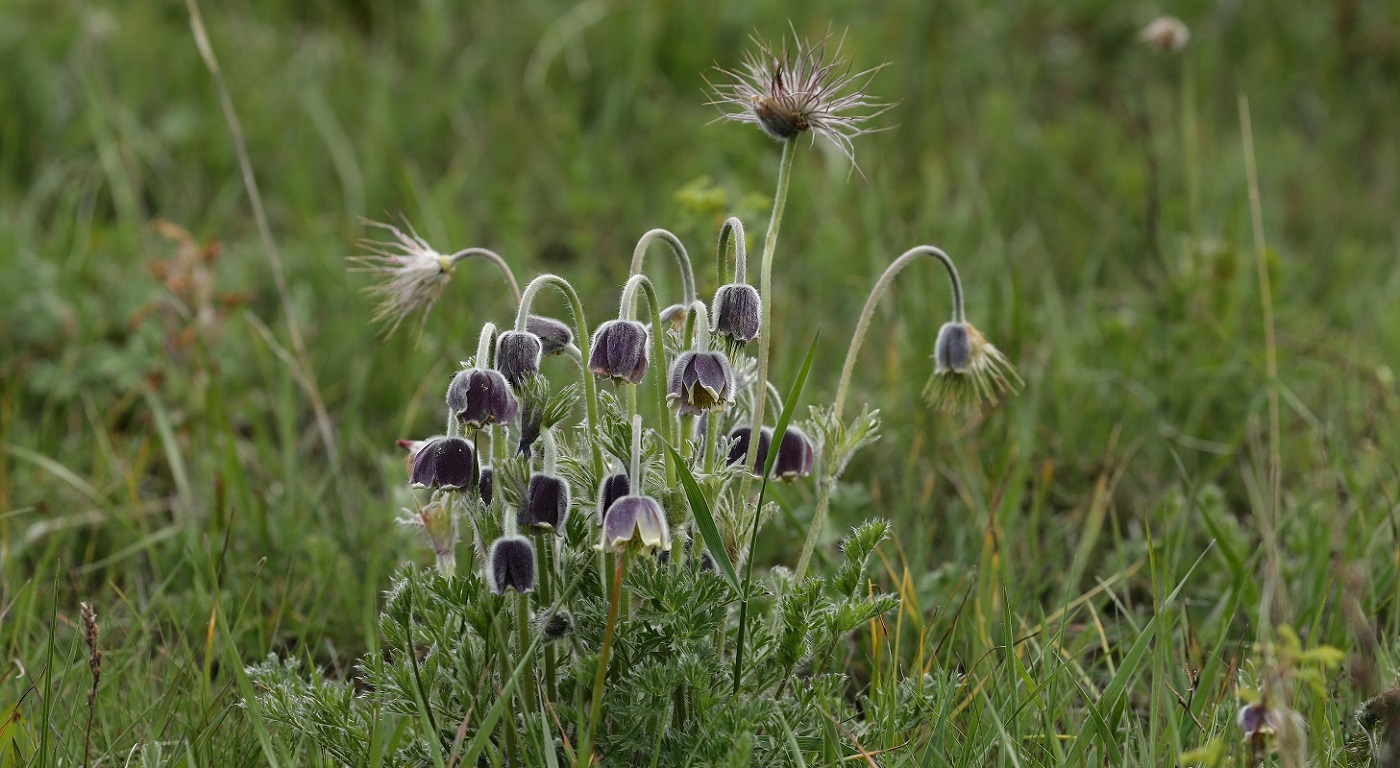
[(740, 446), (635, 519), (555, 337), (787, 92), (968, 370), (545, 506), (518, 356), (511, 563), (701, 381), (481, 396), (445, 462), (619, 351), (796, 455), (612, 488), (735, 313)]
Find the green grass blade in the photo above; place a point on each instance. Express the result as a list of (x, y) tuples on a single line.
[(783, 418), (704, 520)]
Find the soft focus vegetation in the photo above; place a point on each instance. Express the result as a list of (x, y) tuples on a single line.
[(1089, 573)]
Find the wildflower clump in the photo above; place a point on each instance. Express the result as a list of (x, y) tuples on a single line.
[(595, 500)]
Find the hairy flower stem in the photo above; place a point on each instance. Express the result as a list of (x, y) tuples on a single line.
[(590, 391), (505, 671), (765, 290), (547, 598), (528, 683), (491, 256), (484, 346), (828, 484), (585, 751), (640, 282), (732, 231), (682, 260)]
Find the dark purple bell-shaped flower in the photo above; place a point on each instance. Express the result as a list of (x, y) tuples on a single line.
[(635, 519), (736, 313), (555, 337), (619, 351), (740, 447), (701, 381), (545, 506), (796, 456), (445, 462), (612, 488), (511, 563), (518, 356), (481, 396)]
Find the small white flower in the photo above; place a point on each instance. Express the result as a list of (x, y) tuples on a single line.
[(412, 274), (1166, 34)]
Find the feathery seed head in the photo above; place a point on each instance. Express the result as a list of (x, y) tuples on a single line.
[(968, 370), (805, 89)]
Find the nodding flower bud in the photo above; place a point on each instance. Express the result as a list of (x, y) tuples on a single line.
[(481, 396), (953, 349), (968, 371), (445, 462), (518, 356), (635, 520), (511, 563), (674, 316), (486, 486), (619, 351), (735, 313), (740, 447), (555, 337), (611, 489), (545, 506), (796, 456), (701, 381), (556, 624)]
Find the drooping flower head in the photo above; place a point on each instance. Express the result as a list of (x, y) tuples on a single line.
[(444, 462), (412, 275), (480, 397), (805, 89), (701, 381), (635, 520), (619, 351), (511, 563), (739, 448), (968, 370), (796, 456), (545, 506)]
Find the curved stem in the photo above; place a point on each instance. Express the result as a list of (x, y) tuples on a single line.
[(494, 258), (876, 292), (484, 346), (733, 229), (765, 290), (701, 313), (682, 260), (827, 485), (590, 390), (658, 350)]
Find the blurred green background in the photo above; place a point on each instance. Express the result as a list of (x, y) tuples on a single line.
[(162, 459)]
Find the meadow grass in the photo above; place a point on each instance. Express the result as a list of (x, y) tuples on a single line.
[(1094, 562)]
